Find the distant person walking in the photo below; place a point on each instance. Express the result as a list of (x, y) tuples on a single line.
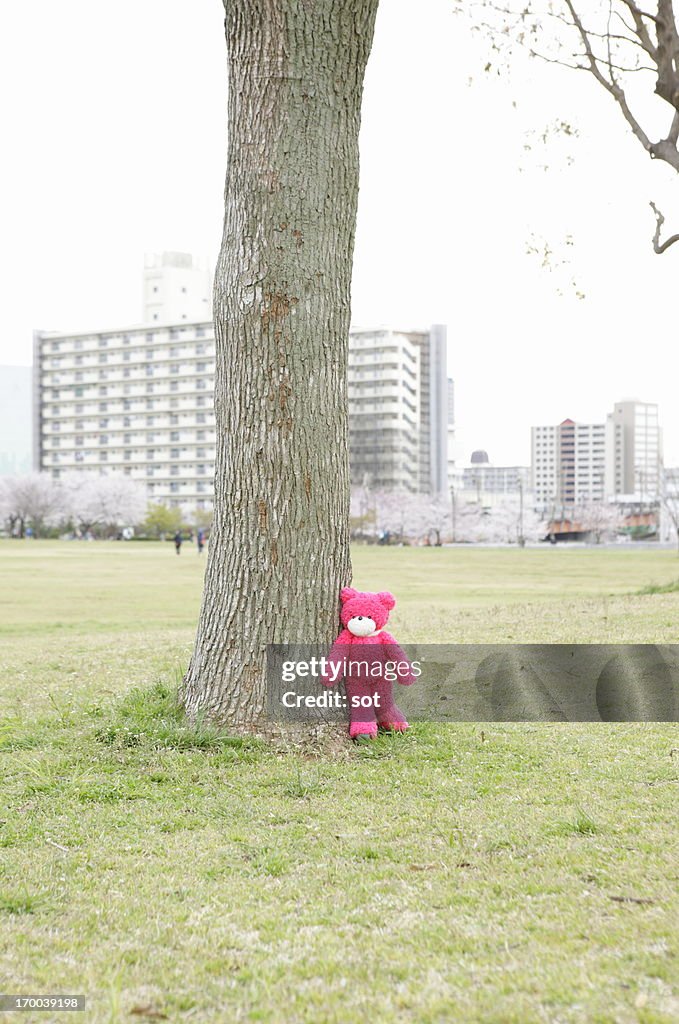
[(200, 540), (178, 542)]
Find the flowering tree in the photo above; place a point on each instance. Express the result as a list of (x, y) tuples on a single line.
[(600, 519), (105, 502), (33, 500)]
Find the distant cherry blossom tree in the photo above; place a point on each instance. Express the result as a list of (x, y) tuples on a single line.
[(31, 501)]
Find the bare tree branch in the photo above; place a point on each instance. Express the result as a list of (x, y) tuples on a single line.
[(658, 246)]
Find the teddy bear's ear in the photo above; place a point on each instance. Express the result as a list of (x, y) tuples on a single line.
[(347, 594), (387, 599)]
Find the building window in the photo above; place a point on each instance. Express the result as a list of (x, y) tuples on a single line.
[(103, 406), (174, 453), (174, 470), (103, 390), (103, 439), (174, 486), (103, 343), (127, 421), (174, 385), (150, 453), (78, 345), (149, 389), (174, 435), (103, 424)]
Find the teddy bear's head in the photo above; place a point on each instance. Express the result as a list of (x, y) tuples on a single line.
[(365, 614)]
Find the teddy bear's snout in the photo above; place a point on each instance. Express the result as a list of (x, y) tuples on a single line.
[(361, 625)]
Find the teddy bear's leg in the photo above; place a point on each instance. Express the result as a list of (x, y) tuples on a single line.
[(361, 711), (389, 715)]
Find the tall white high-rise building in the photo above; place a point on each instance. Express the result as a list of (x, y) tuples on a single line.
[(635, 450), (177, 288), (568, 463), (398, 409), (451, 432)]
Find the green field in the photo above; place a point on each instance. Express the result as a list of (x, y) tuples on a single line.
[(498, 873)]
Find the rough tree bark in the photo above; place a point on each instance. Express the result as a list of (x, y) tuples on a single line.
[(279, 547)]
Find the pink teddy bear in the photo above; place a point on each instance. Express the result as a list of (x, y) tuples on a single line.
[(367, 656)]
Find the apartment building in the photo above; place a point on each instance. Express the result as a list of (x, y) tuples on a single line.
[(568, 463), (451, 433), (177, 288), (140, 401), (384, 382), (481, 476), (398, 409), (635, 450), (619, 460), (137, 401)]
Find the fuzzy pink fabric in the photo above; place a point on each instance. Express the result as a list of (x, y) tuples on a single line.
[(369, 650)]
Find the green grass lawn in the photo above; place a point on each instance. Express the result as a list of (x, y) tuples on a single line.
[(495, 873)]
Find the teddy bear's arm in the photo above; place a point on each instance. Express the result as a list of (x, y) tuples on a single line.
[(395, 653), (337, 657)]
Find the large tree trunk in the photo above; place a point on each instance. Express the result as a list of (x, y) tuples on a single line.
[(279, 547)]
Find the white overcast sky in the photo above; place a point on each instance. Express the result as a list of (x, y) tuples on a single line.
[(114, 143)]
